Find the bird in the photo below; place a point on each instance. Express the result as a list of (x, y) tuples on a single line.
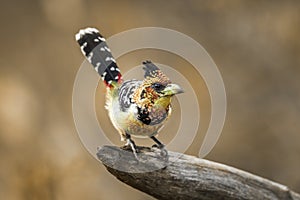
[(135, 107)]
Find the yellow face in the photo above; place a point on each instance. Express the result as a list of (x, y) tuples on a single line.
[(153, 96), (156, 90), (156, 94), (165, 93)]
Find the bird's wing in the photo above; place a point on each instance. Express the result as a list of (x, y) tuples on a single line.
[(126, 92)]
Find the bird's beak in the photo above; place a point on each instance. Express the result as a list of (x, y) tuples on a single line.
[(172, 89)]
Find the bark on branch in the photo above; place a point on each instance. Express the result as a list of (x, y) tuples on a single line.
[(188, 177)]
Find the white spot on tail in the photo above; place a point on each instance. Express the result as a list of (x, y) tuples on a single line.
[(97, 66), (112, 69), (82, 47), (110, 59), (82, 32), (77, 36), (102, 39), (107, 49), (90, 57)]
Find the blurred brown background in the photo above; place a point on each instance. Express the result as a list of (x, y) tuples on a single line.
[(254, 43)]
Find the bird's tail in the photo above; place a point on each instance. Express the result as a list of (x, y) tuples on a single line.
[(95, 49)]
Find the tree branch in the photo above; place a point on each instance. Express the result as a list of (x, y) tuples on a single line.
[(188, 177)]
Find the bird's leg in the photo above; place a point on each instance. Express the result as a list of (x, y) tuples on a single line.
[(159, 145), (130, 142)]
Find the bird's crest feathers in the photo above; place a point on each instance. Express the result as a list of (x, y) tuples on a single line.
[(153, 74)]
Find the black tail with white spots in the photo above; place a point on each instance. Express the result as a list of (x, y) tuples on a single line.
[(95, 49)]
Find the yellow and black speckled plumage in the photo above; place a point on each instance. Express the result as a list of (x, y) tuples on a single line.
[(135, 107)]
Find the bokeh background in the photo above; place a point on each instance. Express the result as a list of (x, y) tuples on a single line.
[(254, 43)]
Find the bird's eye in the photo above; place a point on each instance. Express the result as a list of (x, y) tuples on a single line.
[(157, 86)]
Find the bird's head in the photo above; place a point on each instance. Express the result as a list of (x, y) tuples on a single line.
[(157, 88)]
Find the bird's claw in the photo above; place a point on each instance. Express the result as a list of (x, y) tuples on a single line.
[(158, 146), (131, 146), (163, 151)]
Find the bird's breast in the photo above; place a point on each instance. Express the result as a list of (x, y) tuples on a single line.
[(152, 116), (134, 120)]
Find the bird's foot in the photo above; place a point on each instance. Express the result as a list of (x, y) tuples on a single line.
[(163, 150), (158, 146), (130, 145)]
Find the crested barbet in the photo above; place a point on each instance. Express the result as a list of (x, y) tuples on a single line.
[(135, 107)]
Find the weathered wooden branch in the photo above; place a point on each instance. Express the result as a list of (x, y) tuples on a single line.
[(188, 177)]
